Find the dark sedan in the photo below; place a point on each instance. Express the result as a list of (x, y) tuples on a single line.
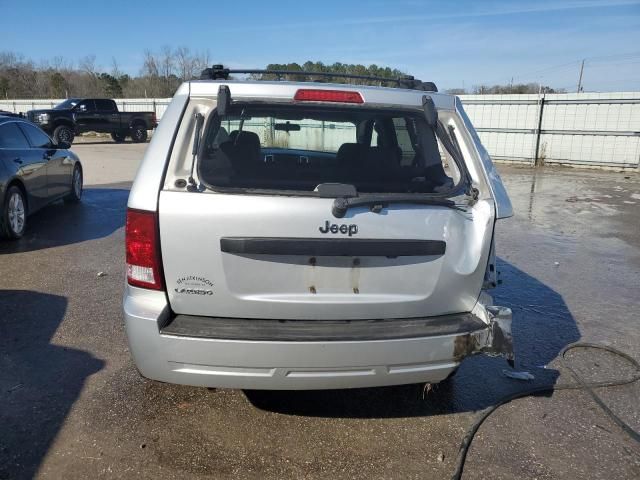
[(33, 173)]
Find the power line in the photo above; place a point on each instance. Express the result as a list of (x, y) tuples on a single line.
[(562, 66), (617, 56), (613, 64)]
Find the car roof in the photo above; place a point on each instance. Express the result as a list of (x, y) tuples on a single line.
[(10, 118), (283, 90)]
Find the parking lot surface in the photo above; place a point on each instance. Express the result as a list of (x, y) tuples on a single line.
[(73, 405)]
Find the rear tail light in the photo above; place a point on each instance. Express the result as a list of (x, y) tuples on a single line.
[(143, 250), (154, 119), (338, 96)]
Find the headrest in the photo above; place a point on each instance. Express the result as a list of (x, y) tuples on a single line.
[(350, 153), (245, 138)]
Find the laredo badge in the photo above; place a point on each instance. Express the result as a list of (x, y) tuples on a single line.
[(194, 285)]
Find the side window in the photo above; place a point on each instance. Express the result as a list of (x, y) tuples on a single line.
[(12, 137), (408, 140), (104, 105), (37, 138), (86, 106)]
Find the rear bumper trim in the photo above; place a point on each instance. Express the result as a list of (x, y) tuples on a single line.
[(250, 329)]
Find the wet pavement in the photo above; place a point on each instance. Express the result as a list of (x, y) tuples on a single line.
[(74, 406)]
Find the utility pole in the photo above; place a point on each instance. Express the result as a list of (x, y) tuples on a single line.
[(580, 78), (538, 131)]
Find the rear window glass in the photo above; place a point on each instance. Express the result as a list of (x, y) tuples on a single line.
[(37, 137), (294, 148)]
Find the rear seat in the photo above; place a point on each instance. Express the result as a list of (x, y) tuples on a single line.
[(243, 145), (239, 153), (241, 156), (361, 161), (350, 154), (243, 150)]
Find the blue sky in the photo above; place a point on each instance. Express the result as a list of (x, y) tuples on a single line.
[(453, 43)]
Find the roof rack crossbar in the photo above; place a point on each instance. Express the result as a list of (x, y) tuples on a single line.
[(219, 72)]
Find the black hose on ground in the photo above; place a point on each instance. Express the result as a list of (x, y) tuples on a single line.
[(579, 385)]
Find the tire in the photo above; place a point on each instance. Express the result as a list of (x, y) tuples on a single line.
[(139, 133), (75, 194), (118, 137), (63, 133), (14, 214)]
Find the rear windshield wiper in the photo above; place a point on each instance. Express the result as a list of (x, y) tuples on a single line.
[(378, 202)]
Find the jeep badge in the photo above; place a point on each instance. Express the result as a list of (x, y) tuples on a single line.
[(329, 227)]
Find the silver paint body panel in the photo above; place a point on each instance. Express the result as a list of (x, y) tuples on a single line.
[(294, 287)]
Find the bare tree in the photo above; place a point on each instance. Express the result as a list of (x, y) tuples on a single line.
[(150, 65), (159, 76), (58, 63), (186, 63), (88, 64), (515, 89), (167, 62), (115, 70), (201, 61)]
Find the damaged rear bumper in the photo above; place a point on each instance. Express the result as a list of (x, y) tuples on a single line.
[(493, 340), (298, 355)]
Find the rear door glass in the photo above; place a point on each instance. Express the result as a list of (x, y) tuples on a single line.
[(11, 137), (294, 148), (105, 105)]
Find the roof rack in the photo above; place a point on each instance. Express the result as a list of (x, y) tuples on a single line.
[(219, 72)]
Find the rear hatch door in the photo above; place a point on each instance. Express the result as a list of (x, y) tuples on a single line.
[(255, 239)]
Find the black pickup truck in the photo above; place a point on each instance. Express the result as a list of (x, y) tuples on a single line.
[(77, 115)]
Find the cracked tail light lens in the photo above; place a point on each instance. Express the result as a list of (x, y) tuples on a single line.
[(337, 96), (143, 250)]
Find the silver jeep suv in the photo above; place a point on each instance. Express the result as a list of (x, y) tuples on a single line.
[(297, 235)]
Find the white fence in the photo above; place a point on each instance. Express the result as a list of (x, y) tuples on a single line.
[(596, 129), (591, 129)]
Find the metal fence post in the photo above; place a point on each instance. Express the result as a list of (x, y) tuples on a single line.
[(535, 161)]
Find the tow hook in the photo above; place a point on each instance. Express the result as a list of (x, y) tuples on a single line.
[(494, 340)]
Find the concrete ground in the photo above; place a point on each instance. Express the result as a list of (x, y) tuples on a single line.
[(73, 405)]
